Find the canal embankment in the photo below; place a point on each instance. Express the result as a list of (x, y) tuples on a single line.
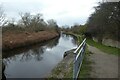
[(64, 69), (12, 40), (39, 60)]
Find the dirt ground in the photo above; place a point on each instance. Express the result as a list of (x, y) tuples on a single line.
[(104, 65), (12, 40)]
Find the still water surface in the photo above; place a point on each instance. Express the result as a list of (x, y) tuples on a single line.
[(37, 61)]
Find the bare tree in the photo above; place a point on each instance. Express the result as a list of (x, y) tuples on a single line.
[(53, 25), (33, 22), (25, 18), (2, 16)]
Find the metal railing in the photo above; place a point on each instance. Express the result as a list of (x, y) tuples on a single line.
[(78, 58)]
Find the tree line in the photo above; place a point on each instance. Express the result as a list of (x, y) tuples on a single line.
[(76, 28), (105, 21), (27, 22)]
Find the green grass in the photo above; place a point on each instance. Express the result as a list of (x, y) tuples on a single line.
[(86, 66), (70, 73), (106, 49)]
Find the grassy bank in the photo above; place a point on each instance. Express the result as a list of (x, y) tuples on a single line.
[(12, 40), (86, 66), (65, 68), (106, 49)]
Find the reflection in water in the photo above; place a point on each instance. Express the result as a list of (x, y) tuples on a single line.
[(38, 47), (36, 61), (3, 74), (29, 53), (74, 41), (65, 37)]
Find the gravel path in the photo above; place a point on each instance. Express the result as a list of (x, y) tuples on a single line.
[(104, 65)]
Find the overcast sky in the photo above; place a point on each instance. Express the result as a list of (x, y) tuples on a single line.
[(65, 12)]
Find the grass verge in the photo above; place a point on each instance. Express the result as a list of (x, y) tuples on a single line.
[(64, 69), (86, 66), (106, 49), (62, 72)]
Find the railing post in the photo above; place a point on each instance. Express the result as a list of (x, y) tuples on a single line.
[(74, 66)]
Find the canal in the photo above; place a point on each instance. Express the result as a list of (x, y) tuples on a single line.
[(38, 60)]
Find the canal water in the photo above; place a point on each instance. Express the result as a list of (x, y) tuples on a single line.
[(38, 60)]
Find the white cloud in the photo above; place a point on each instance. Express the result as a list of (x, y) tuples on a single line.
[(112, 0), (63, 11)]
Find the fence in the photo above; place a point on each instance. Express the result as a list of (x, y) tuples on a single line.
[(78, 57)]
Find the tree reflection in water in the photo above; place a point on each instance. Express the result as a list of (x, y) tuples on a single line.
[(74, 40), (65, 37), (28, 53), (38, 60), (3, 74)]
